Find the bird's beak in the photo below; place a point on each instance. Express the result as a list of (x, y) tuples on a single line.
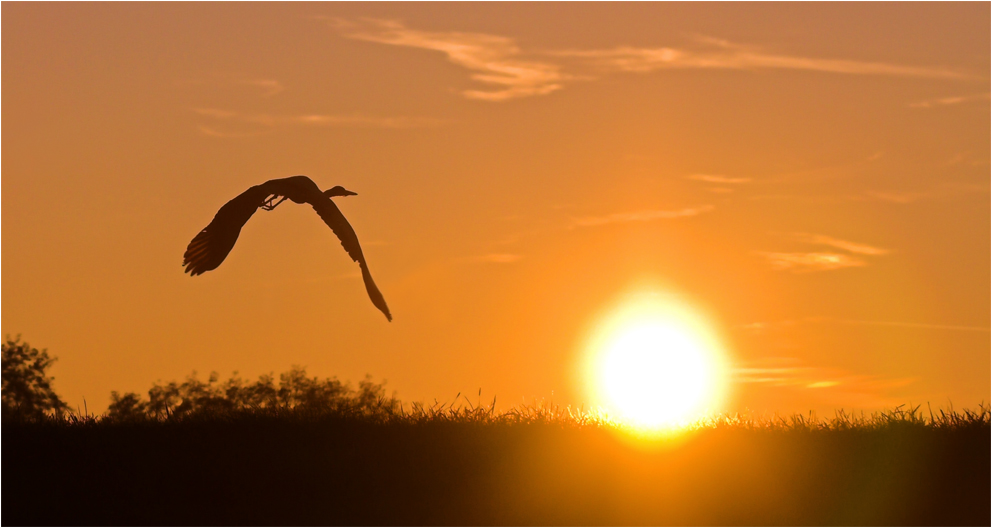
[(350, 193)]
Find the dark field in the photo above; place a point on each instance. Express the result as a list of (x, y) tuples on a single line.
[(473, 468)]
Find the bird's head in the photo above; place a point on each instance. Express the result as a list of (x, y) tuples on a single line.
[(338, 190)]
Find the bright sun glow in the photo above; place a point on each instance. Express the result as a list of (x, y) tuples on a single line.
[(655, 365)]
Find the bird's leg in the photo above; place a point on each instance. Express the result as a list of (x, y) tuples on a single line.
[(268, 205)]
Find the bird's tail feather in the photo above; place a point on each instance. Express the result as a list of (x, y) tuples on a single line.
[(374, 293)]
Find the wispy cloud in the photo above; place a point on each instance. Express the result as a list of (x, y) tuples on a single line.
[(494, 58), (263, 87), (853, 247), (361, 121), (639, 216), (821, 261), (809, 262), (726, 55), (269, 87), (791, 372), (246, 124), (760, 327), (925, 326), (213, 132), (512, 72), (713, 178), (950, 100), (766, 326), (942, 190)]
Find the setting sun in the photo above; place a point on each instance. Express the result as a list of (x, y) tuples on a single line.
[(655, 365)]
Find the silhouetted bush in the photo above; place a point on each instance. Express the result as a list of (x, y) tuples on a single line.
[(128, 407), (27, 389), (296, 392)]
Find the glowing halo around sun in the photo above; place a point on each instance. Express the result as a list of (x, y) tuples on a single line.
[(654, 364)]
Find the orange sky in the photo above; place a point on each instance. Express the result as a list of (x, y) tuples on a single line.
[(814, 179)]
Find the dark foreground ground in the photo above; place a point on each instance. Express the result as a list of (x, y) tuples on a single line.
[(276, 471)]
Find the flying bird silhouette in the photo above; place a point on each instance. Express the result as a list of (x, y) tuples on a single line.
[(211, 245)]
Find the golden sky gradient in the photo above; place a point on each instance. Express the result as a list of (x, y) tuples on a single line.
[(813, 179)]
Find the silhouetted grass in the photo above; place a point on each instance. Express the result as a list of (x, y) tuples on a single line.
[(379, 463)]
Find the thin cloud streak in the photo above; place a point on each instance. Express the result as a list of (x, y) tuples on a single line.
[(821, 261), (943, 190), (213, 132), (853, 247), (809, 262), (496, 60), (951, 100), (789, 372), (267, 87), (270, 120), (915, 325), (735, 57), (270, 87), (493, 57), (713, 178), (765, 326), (639, 216)]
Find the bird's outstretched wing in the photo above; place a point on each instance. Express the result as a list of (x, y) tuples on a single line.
[(210, 247), (333, 217)]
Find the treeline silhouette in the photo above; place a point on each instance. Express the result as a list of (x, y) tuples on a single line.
[(306, 451), (27, 388), (295, 392)]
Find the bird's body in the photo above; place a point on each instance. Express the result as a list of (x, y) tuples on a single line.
[(211, 245)]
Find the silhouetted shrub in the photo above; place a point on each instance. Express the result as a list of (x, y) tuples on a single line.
[(296, 392), (128, 407), (27, 389), (259, 395)]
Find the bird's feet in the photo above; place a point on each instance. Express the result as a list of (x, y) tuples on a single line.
[(271, 204)]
